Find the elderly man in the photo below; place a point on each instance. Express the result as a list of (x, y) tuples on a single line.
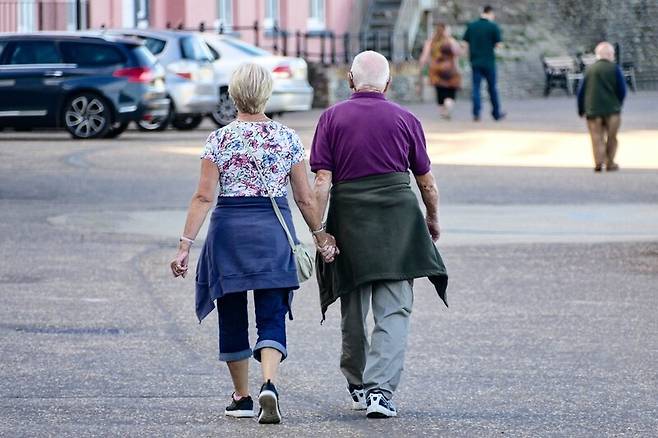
[(600, 98), (365, 147)]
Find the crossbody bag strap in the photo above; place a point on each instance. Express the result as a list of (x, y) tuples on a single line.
[(259, 170)]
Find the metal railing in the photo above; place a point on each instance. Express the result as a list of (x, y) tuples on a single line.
[(325, 47)]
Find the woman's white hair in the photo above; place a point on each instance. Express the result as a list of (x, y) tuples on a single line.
[(370, 69), (250, 88)]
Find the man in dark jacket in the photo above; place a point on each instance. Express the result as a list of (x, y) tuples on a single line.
[(600, 98), (482, 37)]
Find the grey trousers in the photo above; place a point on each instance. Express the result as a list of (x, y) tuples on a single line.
[(378, 364)]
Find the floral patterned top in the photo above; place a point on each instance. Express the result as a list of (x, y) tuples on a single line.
[(276, 147)]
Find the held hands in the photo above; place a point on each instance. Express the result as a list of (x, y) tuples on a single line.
[(326, 245), (179, 265), (433, 227)]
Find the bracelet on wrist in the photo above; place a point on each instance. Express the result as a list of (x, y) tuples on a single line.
[(186, 239), (318, 231)]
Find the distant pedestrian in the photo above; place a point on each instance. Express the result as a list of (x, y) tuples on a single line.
[(365, 147), (247, 247), (441, 53), (483, 36), (600, 99)]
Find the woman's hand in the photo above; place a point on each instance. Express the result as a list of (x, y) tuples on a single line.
[(179, 265), (326, 245)]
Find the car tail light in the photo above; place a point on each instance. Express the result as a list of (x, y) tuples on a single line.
[(282, 72), (185, 75), (141, 75)]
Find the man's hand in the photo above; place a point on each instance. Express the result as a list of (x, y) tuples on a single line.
[(434, 228), (325, 243)]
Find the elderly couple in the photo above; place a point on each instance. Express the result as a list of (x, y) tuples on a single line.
[(361, 155)]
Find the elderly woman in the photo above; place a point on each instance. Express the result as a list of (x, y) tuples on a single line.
[(246, 247)]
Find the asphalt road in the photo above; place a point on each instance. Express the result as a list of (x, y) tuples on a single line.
[(551, 331)]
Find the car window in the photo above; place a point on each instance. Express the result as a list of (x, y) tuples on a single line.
[(193, 48), (91, 55), (33, 52), (154, 45), (2, 46), (144, 57), (245, 48), (215, 53)]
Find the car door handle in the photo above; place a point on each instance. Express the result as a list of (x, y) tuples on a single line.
[(54, 74)]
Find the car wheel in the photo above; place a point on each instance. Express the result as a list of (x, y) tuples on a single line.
[(156, 123), (225, 112), (187, 122), (87, 115), (116, 130)]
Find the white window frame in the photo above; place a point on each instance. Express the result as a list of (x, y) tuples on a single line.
[(71, 16), (271, 14), (317, 13), (142, 14), (224, 15), (26, 17)]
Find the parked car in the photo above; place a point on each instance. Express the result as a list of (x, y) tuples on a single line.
[(190, 77), (92, 86), (291, 91)]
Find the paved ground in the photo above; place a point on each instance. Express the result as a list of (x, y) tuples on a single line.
[(552, 329)]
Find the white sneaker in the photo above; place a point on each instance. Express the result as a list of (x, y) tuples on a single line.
[(380, 407), (358, 395)]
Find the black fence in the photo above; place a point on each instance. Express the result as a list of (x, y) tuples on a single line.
[(329, 48)]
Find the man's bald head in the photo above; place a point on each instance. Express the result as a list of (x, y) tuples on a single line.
[(605, 50), (370, 70)]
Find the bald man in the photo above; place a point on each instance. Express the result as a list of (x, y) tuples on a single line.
[(365, 147), (600, 99)]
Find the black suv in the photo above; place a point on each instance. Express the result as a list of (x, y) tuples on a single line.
[(93, 86)]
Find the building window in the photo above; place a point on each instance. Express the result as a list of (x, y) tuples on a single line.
[(316, 15), (271, 14), (141, 14), (26, 17), (224, 14)]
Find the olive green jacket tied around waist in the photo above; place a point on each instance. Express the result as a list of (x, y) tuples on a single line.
[(382, 235)]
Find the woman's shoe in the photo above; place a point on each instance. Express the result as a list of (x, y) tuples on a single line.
[(269, 404), (241, 408)]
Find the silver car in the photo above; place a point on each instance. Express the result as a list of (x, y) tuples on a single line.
[(190, 75), (291, 91)]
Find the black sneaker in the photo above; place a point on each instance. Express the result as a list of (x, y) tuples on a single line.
[(380, 407), (243, 408), (269, 404), (358, 395)]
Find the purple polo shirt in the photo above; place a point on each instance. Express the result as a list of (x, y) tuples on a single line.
[(368, 135)]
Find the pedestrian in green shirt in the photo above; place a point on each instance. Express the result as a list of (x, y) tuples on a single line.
[(482, 37)]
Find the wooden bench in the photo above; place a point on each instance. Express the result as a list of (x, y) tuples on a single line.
[(559, 71), (574, 79)]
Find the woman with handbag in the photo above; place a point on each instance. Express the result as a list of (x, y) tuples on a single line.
[(442, 53), (251, 243)]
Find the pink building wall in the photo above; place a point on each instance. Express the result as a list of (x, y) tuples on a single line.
[(293, 15)]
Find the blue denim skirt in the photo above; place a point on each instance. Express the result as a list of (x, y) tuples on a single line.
[(246, 249)]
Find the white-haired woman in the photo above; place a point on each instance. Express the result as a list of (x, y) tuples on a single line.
[(246, 247)]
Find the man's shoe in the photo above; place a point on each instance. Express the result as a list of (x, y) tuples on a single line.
[(358, 395), (380, 407), (612, 167), (598, 168), (242, 408), (269, 404)]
